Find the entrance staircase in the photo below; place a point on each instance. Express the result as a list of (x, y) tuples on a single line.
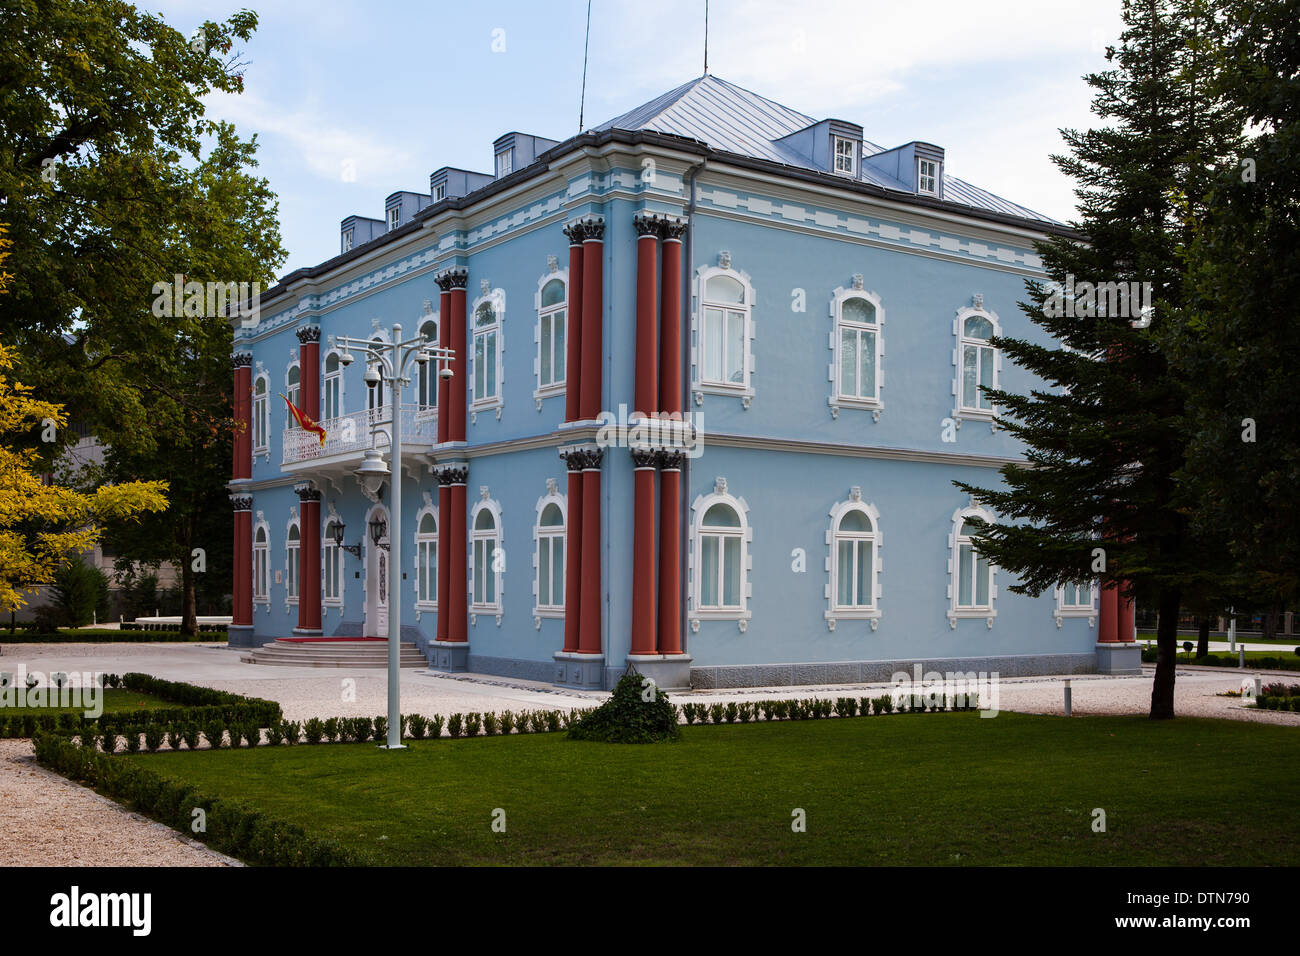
[(369, 652)]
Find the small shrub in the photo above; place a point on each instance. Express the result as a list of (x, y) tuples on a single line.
[(252, 734), (362, 728), (553, 720), (491, 724), (435, 725), (419, 725), (314, 730), (507, 721), (473, 724), (133, 740), (275, 734), (292, 731), (538, 719), (108, 741), (746, 712), (174, 737), (380, 725), (455, 725), (716, 713), (628, 718), (331, 729)]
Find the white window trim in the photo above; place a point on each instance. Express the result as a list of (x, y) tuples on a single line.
[(326, 543), (440, 192), (349, 238), (854, 149), (289, 421), (556, 388), (699, 508), (960, 411), (264, 597), (496, 608), (291, 600), (325, 379), (394, 217), (498, 299), (419, 539), (954, 612), (504, 162), (429, 412), (833, 611), (262, 415), (1089, 610), (745, 391), (552, 497), (938, 173), (836, 400)]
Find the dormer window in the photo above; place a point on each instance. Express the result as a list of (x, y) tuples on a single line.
[(440, 192), (846, 158), (394, 218), (347, 240), (927, 177), (505, 163)]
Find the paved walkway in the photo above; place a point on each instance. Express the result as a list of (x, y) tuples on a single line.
[(48, 820)]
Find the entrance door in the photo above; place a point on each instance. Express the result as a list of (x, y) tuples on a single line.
[(377, 584)]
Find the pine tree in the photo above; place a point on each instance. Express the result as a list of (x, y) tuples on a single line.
[(1105, 438)]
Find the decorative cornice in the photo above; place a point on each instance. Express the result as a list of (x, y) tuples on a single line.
[(241, 503), (308, 333), (457, 277), (241, 360)]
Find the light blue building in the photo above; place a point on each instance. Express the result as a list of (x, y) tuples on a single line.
[(806, 314)]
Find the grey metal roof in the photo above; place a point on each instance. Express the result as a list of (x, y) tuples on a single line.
[(730, 118)]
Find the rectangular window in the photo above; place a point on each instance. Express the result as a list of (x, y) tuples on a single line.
[(291, 578), (965, 573), (977, 370), (332, 572), (485, 365), (550, 571), (347, 241), (927, 177), (332, 407), (426, 572), (551, 350), (845, 156), (394, 218), (440, 192), (505, 163), (724, 347)]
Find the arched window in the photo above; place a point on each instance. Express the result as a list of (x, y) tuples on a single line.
[(293, 550), (426, 561), (552, 328), (261, 415), (977, 361), (971, 591), (853, 587), (719, 562), (427, 384), (333, 390), (261, 564), (488, 345), (331, 567), (550, 555), (489, 559), (293, 392), (724, 330), (858, 344)]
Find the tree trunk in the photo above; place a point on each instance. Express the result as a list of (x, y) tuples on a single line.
[(1203, 636), (189, 614), (1162, 689), (1270, 623)]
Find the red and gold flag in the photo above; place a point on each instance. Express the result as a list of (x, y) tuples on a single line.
[(301, 417)]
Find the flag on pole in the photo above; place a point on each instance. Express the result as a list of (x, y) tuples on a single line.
[(301, 417)]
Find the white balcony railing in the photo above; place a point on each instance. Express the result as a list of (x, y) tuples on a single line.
[(351, 433)]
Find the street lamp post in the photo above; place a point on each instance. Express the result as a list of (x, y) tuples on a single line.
[(390, 361)]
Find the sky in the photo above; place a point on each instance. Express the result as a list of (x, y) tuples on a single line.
[(352, 101)]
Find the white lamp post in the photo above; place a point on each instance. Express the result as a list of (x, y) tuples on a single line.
[(390, 360)]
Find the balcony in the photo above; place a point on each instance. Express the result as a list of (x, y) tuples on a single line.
[(348, 436)]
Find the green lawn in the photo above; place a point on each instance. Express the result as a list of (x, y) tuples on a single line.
[(903, 789), (115, 701)]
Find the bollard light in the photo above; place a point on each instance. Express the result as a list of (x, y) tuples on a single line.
[(1067, 699)]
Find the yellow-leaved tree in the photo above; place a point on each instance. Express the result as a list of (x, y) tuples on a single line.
[(43, 526)]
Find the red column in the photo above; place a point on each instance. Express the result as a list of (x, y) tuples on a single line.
[(646, 395), (1108, 615), (309, 371), (573, 557), (444, 548), (593, 312), (456, 393), (242, 463), (643, 552), (458, 624), (242, 586), (573, 347), (444, 341), (589, 633), (309, 597), (1124, 616), (670, 335), (670, 593)]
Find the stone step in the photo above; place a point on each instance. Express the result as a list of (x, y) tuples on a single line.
[(333, 654)]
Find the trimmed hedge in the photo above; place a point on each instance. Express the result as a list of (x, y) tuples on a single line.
[(105, 636), (1269, 663), (230, 827), (201, 706)]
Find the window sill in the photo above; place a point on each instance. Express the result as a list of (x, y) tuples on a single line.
[(971, 613), (835, 615), (546, 613), (744, 392), (740, 615), (549, 391), (875, 406)]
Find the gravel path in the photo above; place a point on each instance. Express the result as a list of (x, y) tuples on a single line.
[(49, 821)]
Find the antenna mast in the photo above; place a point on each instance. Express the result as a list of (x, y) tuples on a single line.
[(582, 101), (706, 37)]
